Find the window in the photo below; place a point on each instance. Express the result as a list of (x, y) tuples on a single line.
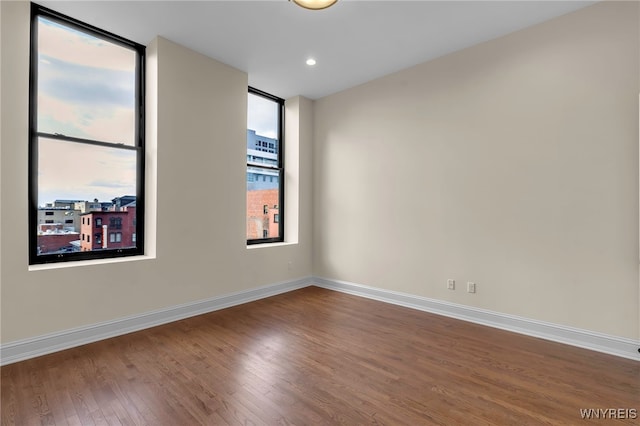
[(97, 238), (265, 171), (115, 223), (98, 222), (48, 213), (115, 237), (86, 140), (68, 221)]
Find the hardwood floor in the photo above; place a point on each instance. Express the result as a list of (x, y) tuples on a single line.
[(315, 356)]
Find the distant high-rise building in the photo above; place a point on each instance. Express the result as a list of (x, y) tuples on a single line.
[(261, 150)]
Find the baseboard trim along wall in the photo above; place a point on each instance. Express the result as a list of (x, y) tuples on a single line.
[(54, 342), (613, 345)]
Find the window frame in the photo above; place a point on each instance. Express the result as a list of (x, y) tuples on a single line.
[(279, 167), (34, 135)]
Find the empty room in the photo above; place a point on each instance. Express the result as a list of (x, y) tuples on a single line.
[(310, 212)]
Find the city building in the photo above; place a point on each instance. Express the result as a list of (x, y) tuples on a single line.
[(64, 204), (263, 213), (66, 217), (74, 225), (263, 196), (120, 202), (106, 230), (89, 206), (56, 238), (261, 151)]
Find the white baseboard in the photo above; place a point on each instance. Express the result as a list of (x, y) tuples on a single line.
[(54, 342), (623, 347)]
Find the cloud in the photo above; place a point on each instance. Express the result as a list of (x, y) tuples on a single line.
[(108, 184), (76, 47), (86, 86), (262, 116), (68, 170)]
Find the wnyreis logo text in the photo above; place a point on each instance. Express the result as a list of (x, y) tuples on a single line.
[(608, 413)]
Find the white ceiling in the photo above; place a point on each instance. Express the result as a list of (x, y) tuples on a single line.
[(353, 42)]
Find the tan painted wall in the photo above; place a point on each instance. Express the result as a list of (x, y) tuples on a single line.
[(513, 164), (200, 125)]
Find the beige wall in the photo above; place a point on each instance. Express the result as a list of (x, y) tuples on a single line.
[(513, 164), (200, 126)]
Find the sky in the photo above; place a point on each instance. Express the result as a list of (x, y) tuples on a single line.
[(262, 116), (86, 89)]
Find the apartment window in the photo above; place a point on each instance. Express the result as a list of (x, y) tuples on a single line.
[(98, 222), (97, 238), (48, 213), (68, 221), (115, 237), (265, 173), (86, 125), (115, 223)]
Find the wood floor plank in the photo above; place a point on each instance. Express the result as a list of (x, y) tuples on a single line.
[(315, 356)]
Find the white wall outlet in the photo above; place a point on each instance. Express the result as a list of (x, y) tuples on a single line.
[(451, 284), (471, 287)]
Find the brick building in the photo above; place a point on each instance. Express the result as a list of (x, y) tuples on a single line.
[(263, 213), (108, 229), (55, 238)]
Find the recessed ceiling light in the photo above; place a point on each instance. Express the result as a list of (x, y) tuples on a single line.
[(311, 62)]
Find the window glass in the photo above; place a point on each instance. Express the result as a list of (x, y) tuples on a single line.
[(86, 85), (264, 168), (76, 171), (86, 141)]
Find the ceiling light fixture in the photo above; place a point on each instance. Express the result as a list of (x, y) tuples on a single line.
[(311, 62), (314, 4)]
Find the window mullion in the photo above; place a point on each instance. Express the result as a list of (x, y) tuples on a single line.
[(65, 138)]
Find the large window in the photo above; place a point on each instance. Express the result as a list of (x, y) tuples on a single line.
[(86, 153), (265, 168)]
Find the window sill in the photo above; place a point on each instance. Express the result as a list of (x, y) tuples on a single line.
[(267, 245), (72, 264)]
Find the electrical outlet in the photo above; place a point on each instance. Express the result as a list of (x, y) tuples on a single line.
[(451, 284), (471, 287)]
